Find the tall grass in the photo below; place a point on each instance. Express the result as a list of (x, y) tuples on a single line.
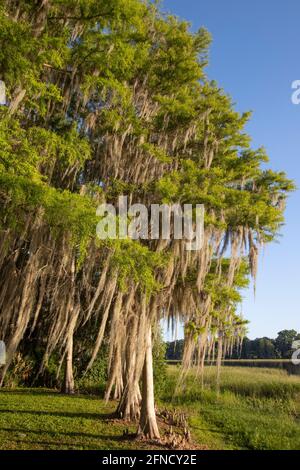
[(255, 409)]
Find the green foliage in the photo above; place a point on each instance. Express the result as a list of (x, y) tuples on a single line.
[(174, 350), (136, 262), (94, 381), (25, 367), (21, 372), (109, 97), (159, 362), (42, 161), (260, 348), (284, 341), (22, 59)]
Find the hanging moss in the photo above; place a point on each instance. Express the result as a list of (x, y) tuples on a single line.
[(107, 98)]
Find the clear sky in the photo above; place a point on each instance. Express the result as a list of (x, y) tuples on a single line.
[(255, 58)]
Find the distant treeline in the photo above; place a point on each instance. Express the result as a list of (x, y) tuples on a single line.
[(259, 348)]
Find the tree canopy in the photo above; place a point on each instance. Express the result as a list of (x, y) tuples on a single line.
[(107, 98)]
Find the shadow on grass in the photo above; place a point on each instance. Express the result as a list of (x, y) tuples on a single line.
[(47, 393), (45, 445), (71, 434), (62, 414)]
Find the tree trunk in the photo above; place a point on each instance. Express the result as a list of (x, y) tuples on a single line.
[(130, 401), (69, 385), (219, 361), (129, 406), (148, 425), (69, 377)]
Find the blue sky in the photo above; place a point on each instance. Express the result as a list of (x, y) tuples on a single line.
[(255, 58)]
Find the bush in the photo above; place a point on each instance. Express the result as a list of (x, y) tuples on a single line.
[(94, 381), (159, 363)]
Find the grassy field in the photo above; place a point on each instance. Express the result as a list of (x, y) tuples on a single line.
[(256, 409), (43, 419)]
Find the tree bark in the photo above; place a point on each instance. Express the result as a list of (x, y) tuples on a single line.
[(219, 361), (69, 377), (148, 424), (130, 401), (129, 406)]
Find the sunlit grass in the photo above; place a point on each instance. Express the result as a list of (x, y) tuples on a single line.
[(256, 408), (43, 419)]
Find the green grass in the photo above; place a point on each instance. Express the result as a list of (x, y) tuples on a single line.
[(43, 419), (256, 408)]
